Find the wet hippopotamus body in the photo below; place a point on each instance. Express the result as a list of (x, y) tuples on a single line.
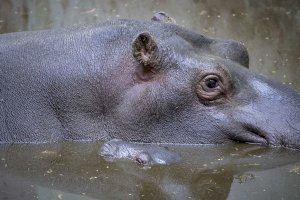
[(139, 81)]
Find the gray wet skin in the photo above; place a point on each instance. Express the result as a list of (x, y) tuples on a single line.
[(141, 81)]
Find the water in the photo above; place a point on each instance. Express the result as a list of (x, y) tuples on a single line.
[(75, 171)]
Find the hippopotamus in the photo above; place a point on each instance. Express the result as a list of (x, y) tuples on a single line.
[(139, 81)]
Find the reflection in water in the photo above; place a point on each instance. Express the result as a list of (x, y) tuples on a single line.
[(75, 171)]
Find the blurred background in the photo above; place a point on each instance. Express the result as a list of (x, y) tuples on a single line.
[(270, 29)]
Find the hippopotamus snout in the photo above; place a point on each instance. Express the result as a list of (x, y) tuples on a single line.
[(272, 117)]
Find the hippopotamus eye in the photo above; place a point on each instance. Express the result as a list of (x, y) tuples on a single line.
[(210, 87)]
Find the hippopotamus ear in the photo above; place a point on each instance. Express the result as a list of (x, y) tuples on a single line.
[(232, 50), (145, 49), (163, 17)]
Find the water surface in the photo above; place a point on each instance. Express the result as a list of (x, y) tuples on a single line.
[(75, 171)]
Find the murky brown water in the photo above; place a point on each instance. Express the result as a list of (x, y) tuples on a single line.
[(270, 28), (75, 171)]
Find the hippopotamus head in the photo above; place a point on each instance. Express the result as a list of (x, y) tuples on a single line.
[(144, 81), (188, 88)]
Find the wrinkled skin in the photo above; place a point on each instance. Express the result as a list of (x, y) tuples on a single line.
[(152, 82)]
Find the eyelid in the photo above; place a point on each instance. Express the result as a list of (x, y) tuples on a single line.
[(217, 94)]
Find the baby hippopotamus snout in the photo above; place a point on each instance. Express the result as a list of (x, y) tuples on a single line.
[(142, 154)]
